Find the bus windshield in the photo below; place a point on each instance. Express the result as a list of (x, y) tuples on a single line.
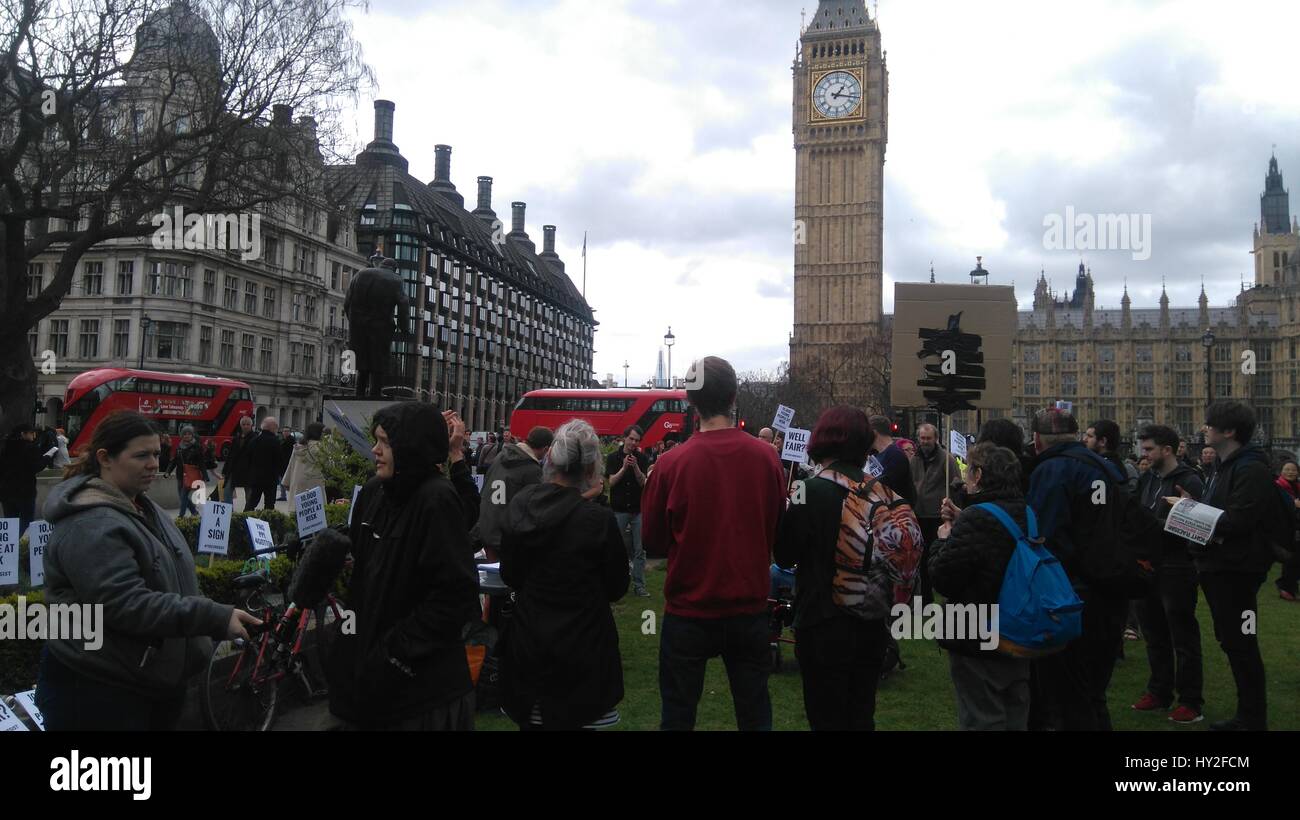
[(78, 413)]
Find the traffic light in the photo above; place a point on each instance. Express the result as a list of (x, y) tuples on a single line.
[(742, 424)]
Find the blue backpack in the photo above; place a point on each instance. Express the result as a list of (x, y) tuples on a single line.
[(1038, 610)]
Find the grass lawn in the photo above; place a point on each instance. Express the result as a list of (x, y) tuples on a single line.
[(920, 697)]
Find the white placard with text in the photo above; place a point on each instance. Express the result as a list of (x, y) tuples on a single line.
[(38, 537), (796, 446), (311, 511), (9, 537), (214, 528)]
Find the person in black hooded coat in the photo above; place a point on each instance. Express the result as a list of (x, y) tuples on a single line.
[(564, 557), (414, 586), (967, 566)]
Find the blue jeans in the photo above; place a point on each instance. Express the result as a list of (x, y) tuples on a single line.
[(685, 648), (635, 552), (186, 496), (228, 491)]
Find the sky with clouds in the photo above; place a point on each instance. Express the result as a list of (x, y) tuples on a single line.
[(663, 128)]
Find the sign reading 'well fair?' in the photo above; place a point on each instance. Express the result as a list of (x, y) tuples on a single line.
[(796, 445), (311, 511)]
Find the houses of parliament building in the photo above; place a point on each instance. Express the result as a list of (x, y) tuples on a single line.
[(1139, 365)]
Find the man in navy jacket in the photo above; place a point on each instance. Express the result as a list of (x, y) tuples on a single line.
[(1069, 688)]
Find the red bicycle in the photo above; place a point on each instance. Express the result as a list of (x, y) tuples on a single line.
[(247, 678)]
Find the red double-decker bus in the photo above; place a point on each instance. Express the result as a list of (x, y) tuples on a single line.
[(659, 413), (211, 406)]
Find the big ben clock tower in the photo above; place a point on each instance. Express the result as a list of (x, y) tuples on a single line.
[(841, 116)]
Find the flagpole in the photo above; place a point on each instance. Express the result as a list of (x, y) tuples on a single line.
[(584, 266)]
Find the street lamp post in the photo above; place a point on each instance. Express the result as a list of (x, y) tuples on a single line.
[(145, 323), (669, 341), (625, 367), (1207, 340)]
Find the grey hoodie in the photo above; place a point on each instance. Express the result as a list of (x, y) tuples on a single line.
[(138, 566), (516, 469)]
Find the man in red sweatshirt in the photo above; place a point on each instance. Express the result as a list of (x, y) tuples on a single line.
[(713, 505)]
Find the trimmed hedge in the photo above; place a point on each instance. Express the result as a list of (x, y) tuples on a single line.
[(19, 660)]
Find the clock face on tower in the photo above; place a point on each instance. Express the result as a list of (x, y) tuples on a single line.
[(837, 94)]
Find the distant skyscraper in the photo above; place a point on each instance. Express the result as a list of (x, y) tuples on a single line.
[(661, 380)]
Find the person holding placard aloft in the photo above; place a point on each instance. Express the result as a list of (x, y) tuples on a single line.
[(114, 547), (414, 586)]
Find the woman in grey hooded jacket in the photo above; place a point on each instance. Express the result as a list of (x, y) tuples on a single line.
[(116, 555)]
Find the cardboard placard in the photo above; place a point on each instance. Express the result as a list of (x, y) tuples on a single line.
[(310, 507), (957, 444), (1193, 520), (259, 532), (9, 722), (214, 528), (27, 700), (874, 468), (38, 538), (784, 418), (796, 445), (952, 346), (9, 538), (356, 491), (350, 431)]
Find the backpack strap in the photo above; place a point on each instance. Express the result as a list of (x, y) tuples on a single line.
[(1008, 522)]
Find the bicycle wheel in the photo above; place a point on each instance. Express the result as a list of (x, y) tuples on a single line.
[(231, 700)]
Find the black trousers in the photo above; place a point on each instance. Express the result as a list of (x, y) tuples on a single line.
[(840, 661), (71, 702), (1069, 688), (685, 648), (24, 509), (929, 534), (1168, 618), (1289, 580), (259, 490), (1231, 596)]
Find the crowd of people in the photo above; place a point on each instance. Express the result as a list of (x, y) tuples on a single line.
[(873, 522)]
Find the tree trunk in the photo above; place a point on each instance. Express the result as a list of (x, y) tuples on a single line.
[(17, 376)]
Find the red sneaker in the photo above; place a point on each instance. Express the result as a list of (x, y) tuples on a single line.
[(1149, 703), (1186, 714)]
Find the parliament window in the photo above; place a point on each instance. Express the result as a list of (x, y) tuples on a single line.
[(88, 343), (1106, 384)]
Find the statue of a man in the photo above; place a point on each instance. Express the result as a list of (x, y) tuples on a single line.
[(372, 295)]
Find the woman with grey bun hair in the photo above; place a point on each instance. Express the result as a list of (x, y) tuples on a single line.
[(564, 557)]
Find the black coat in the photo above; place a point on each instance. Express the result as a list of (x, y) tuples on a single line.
[(1242, 486), (565, 559), (261, 465), (414, 586), (20, 462), (1152, 492), (235, 470), (968, 566)]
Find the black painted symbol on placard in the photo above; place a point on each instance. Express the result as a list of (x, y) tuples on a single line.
[(950, 392)]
